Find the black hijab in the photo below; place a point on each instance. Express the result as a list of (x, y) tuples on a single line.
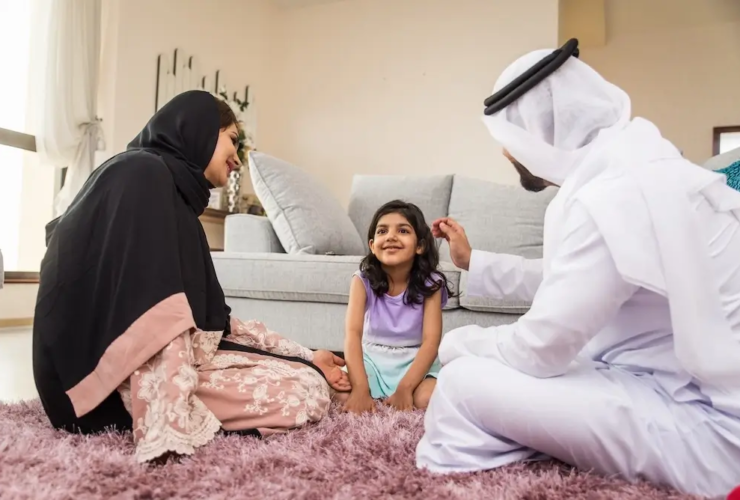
[(182, 134), (130, 240)]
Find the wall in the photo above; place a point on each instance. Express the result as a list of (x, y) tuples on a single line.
[(37, 209), (394, 86), (679, 61), (584, 20), (228, 35), (231, 37), (17, 302)]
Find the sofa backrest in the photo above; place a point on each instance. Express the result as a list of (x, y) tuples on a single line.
[(507, 219), (724, 160), (496, 217), (369, 192), (499, 218)]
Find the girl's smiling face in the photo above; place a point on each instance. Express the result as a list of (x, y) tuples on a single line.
[(395, 242)]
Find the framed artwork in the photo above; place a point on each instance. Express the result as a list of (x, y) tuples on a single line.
[(725, 139)]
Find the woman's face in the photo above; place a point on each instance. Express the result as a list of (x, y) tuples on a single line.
[(224, 158)]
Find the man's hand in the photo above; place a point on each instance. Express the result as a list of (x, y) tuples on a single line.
[(331, 364), (454, 233), (360, 402), (402, 399)]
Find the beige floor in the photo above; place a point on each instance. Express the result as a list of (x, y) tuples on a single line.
[(16, 373)]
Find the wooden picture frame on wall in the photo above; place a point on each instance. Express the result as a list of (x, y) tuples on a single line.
[(717, 134)]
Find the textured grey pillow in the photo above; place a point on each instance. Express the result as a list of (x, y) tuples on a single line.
[(305, 216)]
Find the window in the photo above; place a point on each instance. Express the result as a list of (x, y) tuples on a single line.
[(725, 139), (27, 189)]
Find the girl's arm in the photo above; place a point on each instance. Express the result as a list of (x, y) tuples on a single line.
[(431, 337), (353, 337)]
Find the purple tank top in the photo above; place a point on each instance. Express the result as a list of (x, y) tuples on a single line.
[(390, 322)]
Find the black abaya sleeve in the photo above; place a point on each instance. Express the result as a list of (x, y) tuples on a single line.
[(112, 292)]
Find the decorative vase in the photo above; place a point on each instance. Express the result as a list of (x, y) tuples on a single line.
[(216, 200), (233, 191)]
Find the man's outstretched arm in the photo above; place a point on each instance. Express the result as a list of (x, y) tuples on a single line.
[(581, 294), (503, 276), (499, 276)]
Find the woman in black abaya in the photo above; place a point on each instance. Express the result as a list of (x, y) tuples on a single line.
[(131, 327)]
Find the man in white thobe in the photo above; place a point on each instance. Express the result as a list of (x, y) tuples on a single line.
[(628, 361)]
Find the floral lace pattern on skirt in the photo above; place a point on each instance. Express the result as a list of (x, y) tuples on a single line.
[(186, 393)]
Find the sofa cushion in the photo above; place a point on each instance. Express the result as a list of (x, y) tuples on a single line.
[(306, 217), (499, 218), (369, 192), (722, 160), (297, 278), (321, 326), (488, 304), (250, 233)]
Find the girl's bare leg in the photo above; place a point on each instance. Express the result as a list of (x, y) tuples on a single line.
[(423, 393)]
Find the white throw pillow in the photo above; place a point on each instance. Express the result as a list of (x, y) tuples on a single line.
[(306, 217)]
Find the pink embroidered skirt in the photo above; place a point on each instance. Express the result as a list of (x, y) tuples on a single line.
[(191, 389)]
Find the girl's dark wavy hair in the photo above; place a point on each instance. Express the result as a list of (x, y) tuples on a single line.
[(425, 279)]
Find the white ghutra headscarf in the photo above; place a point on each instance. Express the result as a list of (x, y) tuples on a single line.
[(575, 130)]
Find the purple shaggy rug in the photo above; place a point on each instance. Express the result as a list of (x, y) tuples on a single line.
[(343, 457)]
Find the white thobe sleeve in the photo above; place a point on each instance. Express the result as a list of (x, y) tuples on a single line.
[(502, 276), (581, 293)]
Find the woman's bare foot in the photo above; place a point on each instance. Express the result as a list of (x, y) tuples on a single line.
[(423, 393)]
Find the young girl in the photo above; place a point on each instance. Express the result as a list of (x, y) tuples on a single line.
[(394, 318)]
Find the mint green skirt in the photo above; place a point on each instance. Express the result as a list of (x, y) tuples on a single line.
[(385, 366)]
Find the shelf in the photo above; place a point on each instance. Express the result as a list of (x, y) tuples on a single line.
[(214, 215)]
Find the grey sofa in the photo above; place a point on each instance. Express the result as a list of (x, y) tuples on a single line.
[(723, 160), (304, 296)]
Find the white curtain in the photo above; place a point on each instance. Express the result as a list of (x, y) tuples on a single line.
[(66, 62)]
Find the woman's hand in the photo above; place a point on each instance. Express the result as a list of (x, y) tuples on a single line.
[(330, 364), (360, 402), (402, 399)]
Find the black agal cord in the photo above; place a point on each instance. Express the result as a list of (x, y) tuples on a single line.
[(534, 75)]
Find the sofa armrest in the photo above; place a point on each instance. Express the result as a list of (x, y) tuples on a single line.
[(722, 161), (250, 234)]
